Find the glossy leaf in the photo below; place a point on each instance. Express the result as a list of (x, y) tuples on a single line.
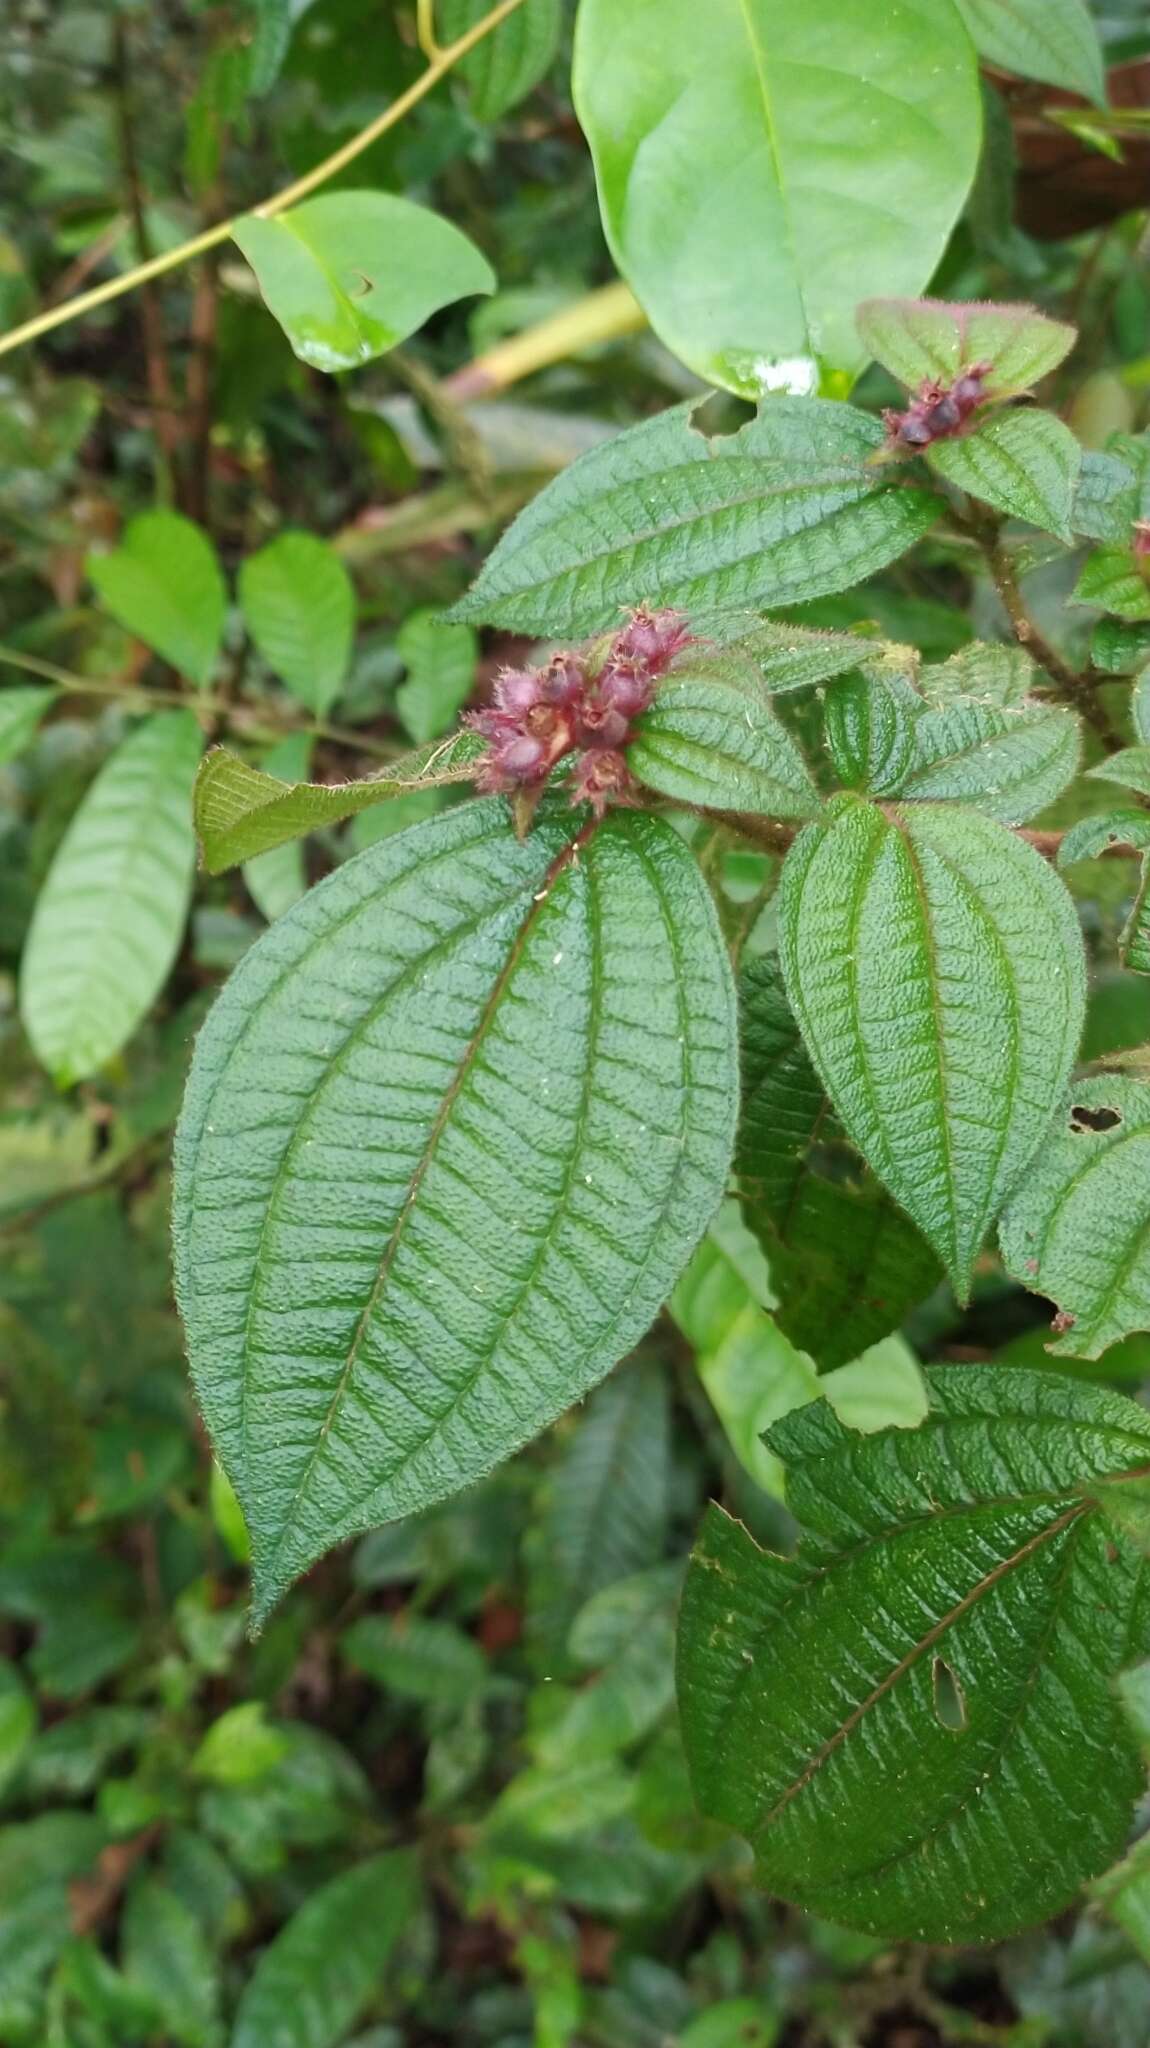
[(788, 508), (510, 62), (163, 583), (1022, 462), (1112, 579), (299, 607), (241, 812), (808, 1689), (752, 200), (110, 916), (450, 1134), (711, 739), (927, 340), (277, 879), (846, 1265), (351, 274), (1008, 764), (316, 1978), (1078, 1229), (20, 713), (440, 661), (1051, 40), (936, 968)]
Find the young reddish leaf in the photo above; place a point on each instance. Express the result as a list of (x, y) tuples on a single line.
[(928, 340)]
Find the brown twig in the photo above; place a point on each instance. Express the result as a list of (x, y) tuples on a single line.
[(165, 418)]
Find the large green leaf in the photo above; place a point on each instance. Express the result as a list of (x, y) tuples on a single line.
[(109, 918), (509, 62), (936, 968), (846, 1265), (450, 1133), (164, 584), (1052, 40), (712, 739), (241, 811), (1078, 1230), (350, 274), (914, 1719), (322, 1969), (788, 508), (1009, 764), (757, 180), (299, 606), (20, 713), (1022, 462), (794, 657)]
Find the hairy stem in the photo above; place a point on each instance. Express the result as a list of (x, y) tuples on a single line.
[(210, 238)]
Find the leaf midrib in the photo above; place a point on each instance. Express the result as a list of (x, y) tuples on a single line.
[(774, 146)]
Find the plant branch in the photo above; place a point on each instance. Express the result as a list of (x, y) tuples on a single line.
[(165, 420), (600, 316), (211, 238), (425, 29)]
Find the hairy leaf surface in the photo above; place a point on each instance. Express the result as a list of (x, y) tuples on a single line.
[(788, 508), (1022, 462), (808, 1686), (711, 738), (111, 913), (753, 199), (1078, 1230), (936, 968), (1008, 764), (451, 1131), (923, 340)]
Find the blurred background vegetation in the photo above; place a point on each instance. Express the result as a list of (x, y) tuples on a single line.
[(442, 1798)]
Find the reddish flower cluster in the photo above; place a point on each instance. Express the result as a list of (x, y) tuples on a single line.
[(939, 412), (572, 707), (1140, 540)]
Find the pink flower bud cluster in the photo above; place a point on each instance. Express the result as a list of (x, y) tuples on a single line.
[(542, 715), (939, 412)]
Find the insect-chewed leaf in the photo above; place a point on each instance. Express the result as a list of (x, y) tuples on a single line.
[(846, 1265), (1008, 764), (1024, 463), (1102, 829), (1078, 1229), (241, 812), (788, 508), (812, 1713), (921, 340), (110, 915), (935, 965), (450, 1133), (711, 738)]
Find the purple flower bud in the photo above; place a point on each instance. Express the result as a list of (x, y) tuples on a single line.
[(516, 690), (601, 776), (627, 687), (601, 723), (651, 639), (564, 680)]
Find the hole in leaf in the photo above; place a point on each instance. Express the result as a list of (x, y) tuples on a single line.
[(949, 1698), (1083, 1118), (720, 414)]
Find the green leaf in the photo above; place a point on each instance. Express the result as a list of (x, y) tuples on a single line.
[(966, 1555), (796, 657), (605, 1507), (1078, 1229), (1092, 835), (319, 1974), (20, 713), (1134, 939), (17, 1720), (752, 200), (241, 812), (1124, 1896), (1008, 764), (164, 584), (923, 340), (418, 1657), (351, 274), (788, 508), (440, 661), (980, 674), (1118, 649), (869, 721), (1112, 579), (846, 1265), (268, 46), (241, 1747), (711, 739), (299, 607), (1130, 768), (165, 1952), (110, 916), (277, 879), (1140, 707), (936, 968), (450, 1133), (1106, 501), (509, 63), (1022, 462), (627, 1631), (1051, 40)]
